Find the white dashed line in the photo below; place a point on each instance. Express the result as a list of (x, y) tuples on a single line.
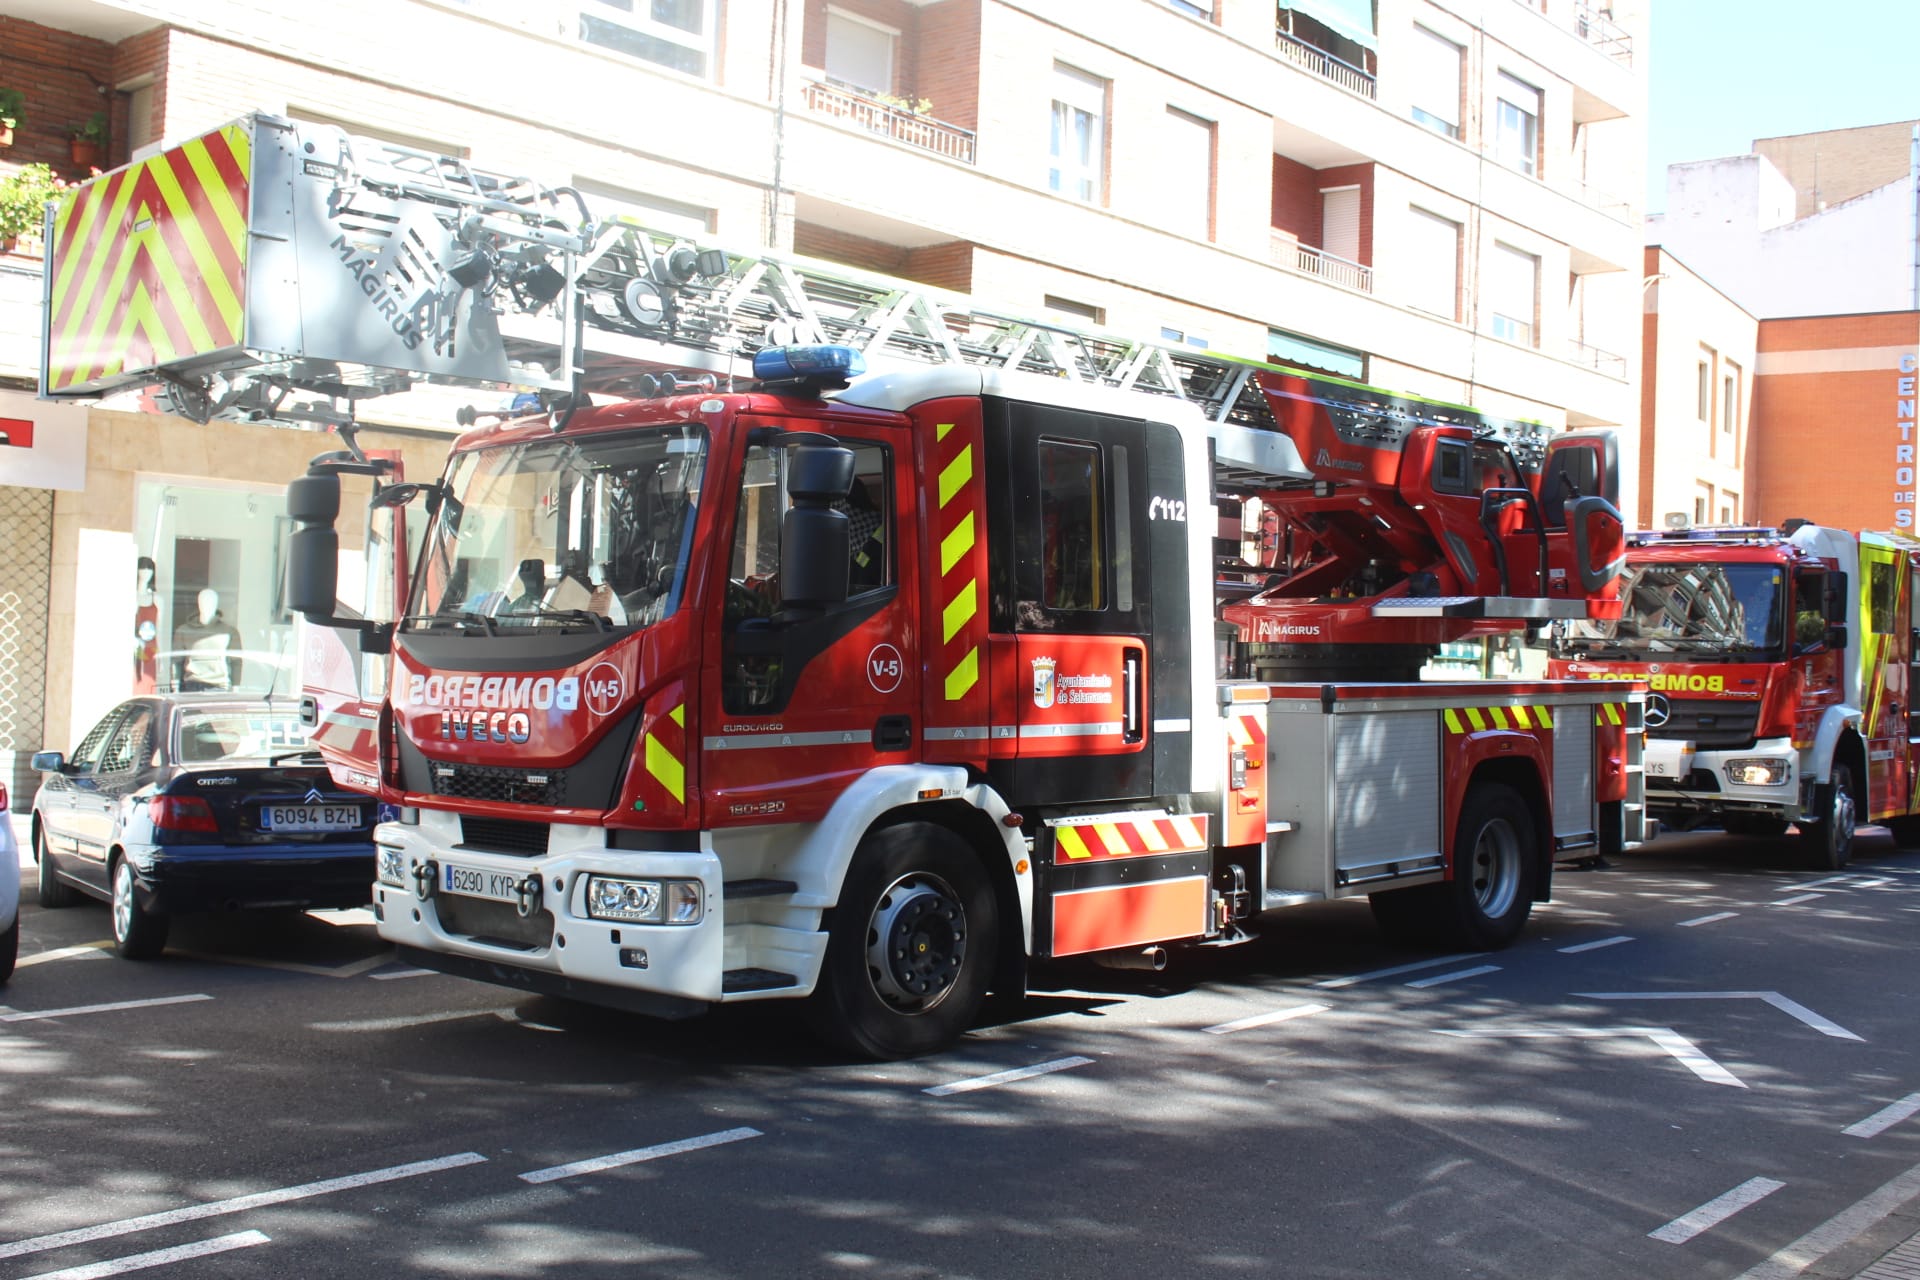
[(411, 1020), (63, 953), (238, 1204), (405, 973), (1265, 1019), (1716, 1211), (1796, 901), (1007, 1077), (1821, 884), (1842, 1228), (639, 1154), (157, 1258), (1715, 918), (1595, 946), (1885, 1118), (1455, 976), (1333, 984), (34, 1015)]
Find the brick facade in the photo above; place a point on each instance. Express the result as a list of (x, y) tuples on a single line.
[(65, 79)]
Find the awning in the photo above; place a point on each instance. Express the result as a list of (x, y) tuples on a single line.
[(1350, 18)]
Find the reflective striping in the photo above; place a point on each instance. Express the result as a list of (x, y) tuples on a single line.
[(1121, 835), (667, 771), (1530, 717), (1608, 713), (956, 544), (1108, 729), (664, 750), (1474, 718), (1173, 726), (964, 676), (1452, 718), (955, 475), (775, 741), (958, 530), (959, 612)]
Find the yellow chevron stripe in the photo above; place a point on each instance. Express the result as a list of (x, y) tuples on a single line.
[(1521, 718), (1151, 836), (956, 544), (86, 210), (141, 315), (955, 475), (1110, 837), (669, 772), (212, 276), (98, 259), (1613, 713), (679, 715), (940, 430), (117, 282), (960, 610), (1453, 721), (1068, 838), (1500, 718), (232, 218), (964, 676), (1191, 833), (1474, 718), (1545, 716)]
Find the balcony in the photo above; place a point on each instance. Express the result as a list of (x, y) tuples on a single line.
[(1592, 23), (1290, 253), (1594, 358), (1325, 65), (890, 121)]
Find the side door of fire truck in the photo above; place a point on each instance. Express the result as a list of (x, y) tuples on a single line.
[(803, 701), (1884, 690)]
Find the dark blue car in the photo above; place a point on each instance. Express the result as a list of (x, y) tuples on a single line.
[(178, 803)]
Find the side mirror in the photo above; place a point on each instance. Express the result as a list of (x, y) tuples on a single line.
[(313, 552), (1836, 637), (49, 762), (813, 535)]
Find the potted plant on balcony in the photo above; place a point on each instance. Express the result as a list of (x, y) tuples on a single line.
[(89, 145), (23, 203), (12, 111)]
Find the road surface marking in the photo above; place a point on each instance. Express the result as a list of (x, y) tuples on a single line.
[(1716, 1211), (1841, 1229), (410, 1020), (1885, 1118), (36, 1014), (157, 1258), (63, 953), (1715, 918), (1873, 884), (1666, 1039), (1263, 1019), (1792, 1008), (1331, 984), (1821, 884), (1007, 1077), (1595, 946), (1455, 976), (1796, 901), (637, 1155), (238, 1204), (404, 973), (352, 969)]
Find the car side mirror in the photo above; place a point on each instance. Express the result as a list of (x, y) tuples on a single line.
[(1836, 638), (49, 762)]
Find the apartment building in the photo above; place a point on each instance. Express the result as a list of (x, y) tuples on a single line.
[(1430, 195)]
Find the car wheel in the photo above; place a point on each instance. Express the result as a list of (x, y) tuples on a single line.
[(910, 946), (138, 934), (9, 948), (54, 892), (1495, 859), (1829, 839)]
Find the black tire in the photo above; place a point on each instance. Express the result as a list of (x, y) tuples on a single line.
[(55, 893), (1829, 840), (910, 946), (1905, 832), (1758, 825), (1496, 859), (138, 934), (9, 948)]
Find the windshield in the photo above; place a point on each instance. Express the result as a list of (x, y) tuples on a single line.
[(589, 533), (236, 733), (1702, 610)]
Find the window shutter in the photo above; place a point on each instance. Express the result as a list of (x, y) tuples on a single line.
[(1340, 222)]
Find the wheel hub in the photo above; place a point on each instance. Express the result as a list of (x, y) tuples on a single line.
[(122, 901), (916, 942), (1495, 869)]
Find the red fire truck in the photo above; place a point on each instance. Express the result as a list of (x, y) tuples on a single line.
[(1779, 668), (707, 684)]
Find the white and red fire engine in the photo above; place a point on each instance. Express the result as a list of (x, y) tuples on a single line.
[(716, 685), (1779, 664)]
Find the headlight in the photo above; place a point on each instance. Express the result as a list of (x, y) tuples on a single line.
[(392, 866), (645, 901), (1756, 772)]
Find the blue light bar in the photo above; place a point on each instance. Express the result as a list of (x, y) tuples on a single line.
[(783, 364)]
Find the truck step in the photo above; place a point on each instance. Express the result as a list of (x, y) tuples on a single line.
[(758, 888), (735, 981)]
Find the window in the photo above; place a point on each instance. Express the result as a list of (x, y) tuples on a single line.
[(1703, 386), (1730, 399), (1434, 264), (671, 33), (1882, 580), (1192, 9), (1340, 222), (1084, 310), (859, 52), (131, 743), (1183, 337), (1513, 293), (87, 754), (1702, 503), (1078, 143), (1435, 74), (1298, 352), (1729, 507), (1516, 126), (1073, 566), (1186, 182)]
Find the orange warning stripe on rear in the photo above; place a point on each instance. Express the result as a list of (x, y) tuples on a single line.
[(1123, 837)]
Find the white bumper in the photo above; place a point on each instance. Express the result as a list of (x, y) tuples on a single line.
[(1668, 759)]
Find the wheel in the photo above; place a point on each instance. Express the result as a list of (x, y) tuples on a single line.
[(1829, 839), (909, 946), (1760, 825), (9, 948), (1495, 853), (54, 892), (138, 934)]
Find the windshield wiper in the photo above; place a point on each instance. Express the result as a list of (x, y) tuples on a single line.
[(454, 617), (600, 621), (305, 753)]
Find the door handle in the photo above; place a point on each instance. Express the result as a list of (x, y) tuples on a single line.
[(893, 733), (1132, 721)]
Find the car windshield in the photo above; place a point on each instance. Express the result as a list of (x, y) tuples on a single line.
[(1701, 609), (571, 533), (213, 734)]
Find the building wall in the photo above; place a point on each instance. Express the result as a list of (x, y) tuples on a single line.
[(1835, 165), (1834, 410)]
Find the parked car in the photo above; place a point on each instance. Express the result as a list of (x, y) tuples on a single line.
[(185, 802), (9, 890)]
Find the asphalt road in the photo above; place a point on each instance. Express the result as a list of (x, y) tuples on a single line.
[(1691, 1061)]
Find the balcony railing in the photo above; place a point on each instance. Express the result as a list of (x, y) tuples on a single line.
[(889, 121), (1323, 64), (1605, 201), (1592, 23), (1333, 268), (1597, 360)]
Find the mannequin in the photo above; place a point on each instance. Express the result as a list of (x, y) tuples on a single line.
[(146, 628), (206, 642)]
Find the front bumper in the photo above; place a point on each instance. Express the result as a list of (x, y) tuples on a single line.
[(182, 879), (1687, 784)]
